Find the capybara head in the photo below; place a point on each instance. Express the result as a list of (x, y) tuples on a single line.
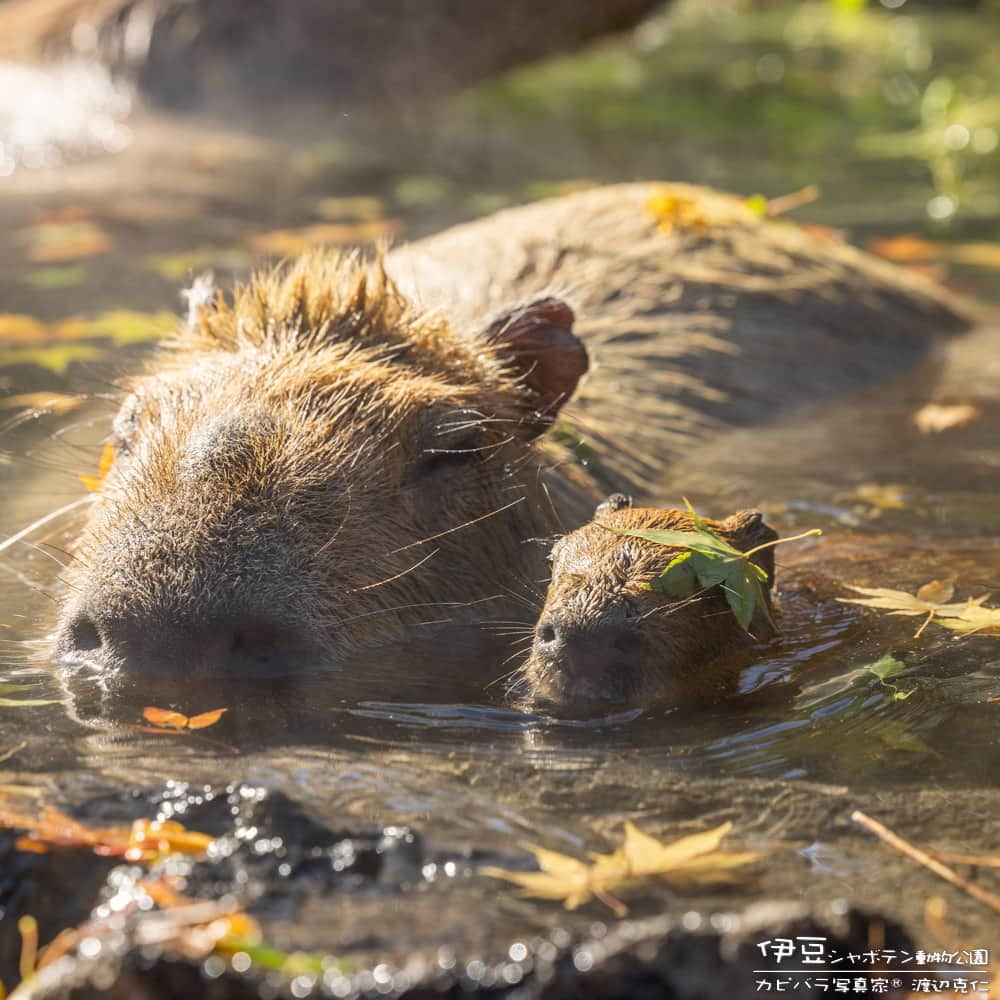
[(605, 636), (312, 468)]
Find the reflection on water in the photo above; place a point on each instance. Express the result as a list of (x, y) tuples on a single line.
[(90, 257)]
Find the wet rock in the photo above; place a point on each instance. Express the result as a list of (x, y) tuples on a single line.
[(296, 876)]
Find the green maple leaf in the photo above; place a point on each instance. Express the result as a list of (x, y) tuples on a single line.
[(707, 561)]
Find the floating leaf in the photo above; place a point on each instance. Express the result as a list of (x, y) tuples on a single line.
[(56, 359), (937, 417), (178, 266), (144, 840), (55, 242), (886, 667), (911, 249), (19, 329), (127, 326), (883, 496), (47, 278), (930, 600), (168, 719), (206, 719), (289, 242), (354, 208), (27, 702), (47, 402), (94, 483), (686, 863), (974, 620)]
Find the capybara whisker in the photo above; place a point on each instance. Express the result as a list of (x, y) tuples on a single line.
[(400, 575), (46, 519), (459, 527)]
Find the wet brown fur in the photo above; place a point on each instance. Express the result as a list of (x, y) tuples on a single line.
[(688, 646)]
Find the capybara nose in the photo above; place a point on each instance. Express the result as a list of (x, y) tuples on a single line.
[(588, 648), (245, 645)]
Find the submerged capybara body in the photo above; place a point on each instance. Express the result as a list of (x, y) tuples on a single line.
[(605, 635), (339, 456)]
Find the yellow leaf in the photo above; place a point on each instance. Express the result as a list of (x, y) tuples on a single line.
[(884, 496), (49, 402), (673, 211), (974, 620), (936, 417), (686, 863), (929, 600), (94, 483), (647, 856), (56, 358)]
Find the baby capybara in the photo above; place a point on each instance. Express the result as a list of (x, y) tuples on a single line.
[(604, 635), (347, 449)]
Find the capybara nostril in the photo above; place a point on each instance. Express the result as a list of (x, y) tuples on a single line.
[(547, 633), (627, 641), (82, 635)]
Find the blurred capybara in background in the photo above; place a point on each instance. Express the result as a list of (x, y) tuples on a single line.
[(605, 636), (192, 53), (340, 454)]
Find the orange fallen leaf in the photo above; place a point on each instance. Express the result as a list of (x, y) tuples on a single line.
[(288, 242), (166, 718), (163, 837), (206, 719), (94, 483), (16, 328), (905, 249), (56, 242)]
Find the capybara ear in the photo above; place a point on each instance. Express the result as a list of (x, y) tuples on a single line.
[(746, 530), (539, 339), (617, 501)]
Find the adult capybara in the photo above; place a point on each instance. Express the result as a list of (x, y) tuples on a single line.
[(347, 450), (187, 53), (605, 635)]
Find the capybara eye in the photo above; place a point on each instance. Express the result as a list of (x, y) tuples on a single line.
[(448, 451)]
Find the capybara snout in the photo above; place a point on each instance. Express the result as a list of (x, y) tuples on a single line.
[(301, 469), (605, 636)]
